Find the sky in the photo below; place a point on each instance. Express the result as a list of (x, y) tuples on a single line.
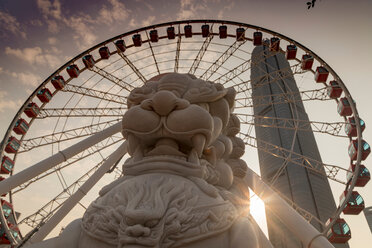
[(39, 36)]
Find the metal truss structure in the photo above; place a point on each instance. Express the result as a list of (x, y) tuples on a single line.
[(95, 101)]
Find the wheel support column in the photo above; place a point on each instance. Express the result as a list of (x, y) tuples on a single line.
[(79, 194), (309, 236)]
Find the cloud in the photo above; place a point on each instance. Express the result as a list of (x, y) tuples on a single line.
[(6, 104), (36, 55), (27, 78), (50, 9), (150, 20), (116, 12), (84, 35), (189, 8), (52, 41), (10, 23), (51, 12)]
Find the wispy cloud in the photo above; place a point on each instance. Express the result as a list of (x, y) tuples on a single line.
[(6, 104), (27, 78), (51, 12), (116, 11), (190, 8), (148, 21), (10, 23), (35, 55)]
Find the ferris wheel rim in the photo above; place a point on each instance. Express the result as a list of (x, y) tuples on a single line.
[(200, 21)]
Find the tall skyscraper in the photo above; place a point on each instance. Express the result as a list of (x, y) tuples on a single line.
[(276, 97), (368, 215)]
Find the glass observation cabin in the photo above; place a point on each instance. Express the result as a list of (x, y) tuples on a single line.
[(354, 205), (340, 231), (363, 177), (353, 149), (21, 127), (12, 145), (32, 110)]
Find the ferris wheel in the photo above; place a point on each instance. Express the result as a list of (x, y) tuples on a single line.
[(71, 122)]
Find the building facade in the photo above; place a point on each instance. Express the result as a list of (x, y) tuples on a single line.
[(276, 97)]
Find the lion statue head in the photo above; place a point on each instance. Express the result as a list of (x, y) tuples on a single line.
[(180, 118)]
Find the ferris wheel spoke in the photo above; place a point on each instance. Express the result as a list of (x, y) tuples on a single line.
[(178, 50), (221, 60), (330, 171), (133, 67), (69, 134), (109, 76), (97, 148), (75, 198), (233, 73), (95, 93), (81, 112), (290, 217), (45, 212), (331, 128), (288, 97), (201, 52), (304, 213), (152, 53), (48, 163)]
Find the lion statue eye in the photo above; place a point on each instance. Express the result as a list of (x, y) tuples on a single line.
[(138, 95), (151, 223), (130, 221)]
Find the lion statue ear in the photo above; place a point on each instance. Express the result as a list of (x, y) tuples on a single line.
[(230, 97)]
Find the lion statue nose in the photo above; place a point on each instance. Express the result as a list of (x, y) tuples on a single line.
[(137, 231), (164, 102)]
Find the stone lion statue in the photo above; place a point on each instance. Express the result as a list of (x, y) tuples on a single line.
[(182, 185)]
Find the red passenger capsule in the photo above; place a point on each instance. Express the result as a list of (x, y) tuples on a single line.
[(120, 46), (363, 177), (240, 34), (12, 145), (171, 33), (7, 165), (321, 74), (257, 38), (104, 52), (307, 62), (274, 44), (32, 110), (188, 31), (44, 95), (154, 37), (350, 127), (73, 71), (58, 82), (223, 31), (205, 30), (343, 107), (339, 233), (88, 61), (354, 205), (137, 40), (353, 149), (7, 208), (13, 230), (334, 90), (21, 127), (291, 52)]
